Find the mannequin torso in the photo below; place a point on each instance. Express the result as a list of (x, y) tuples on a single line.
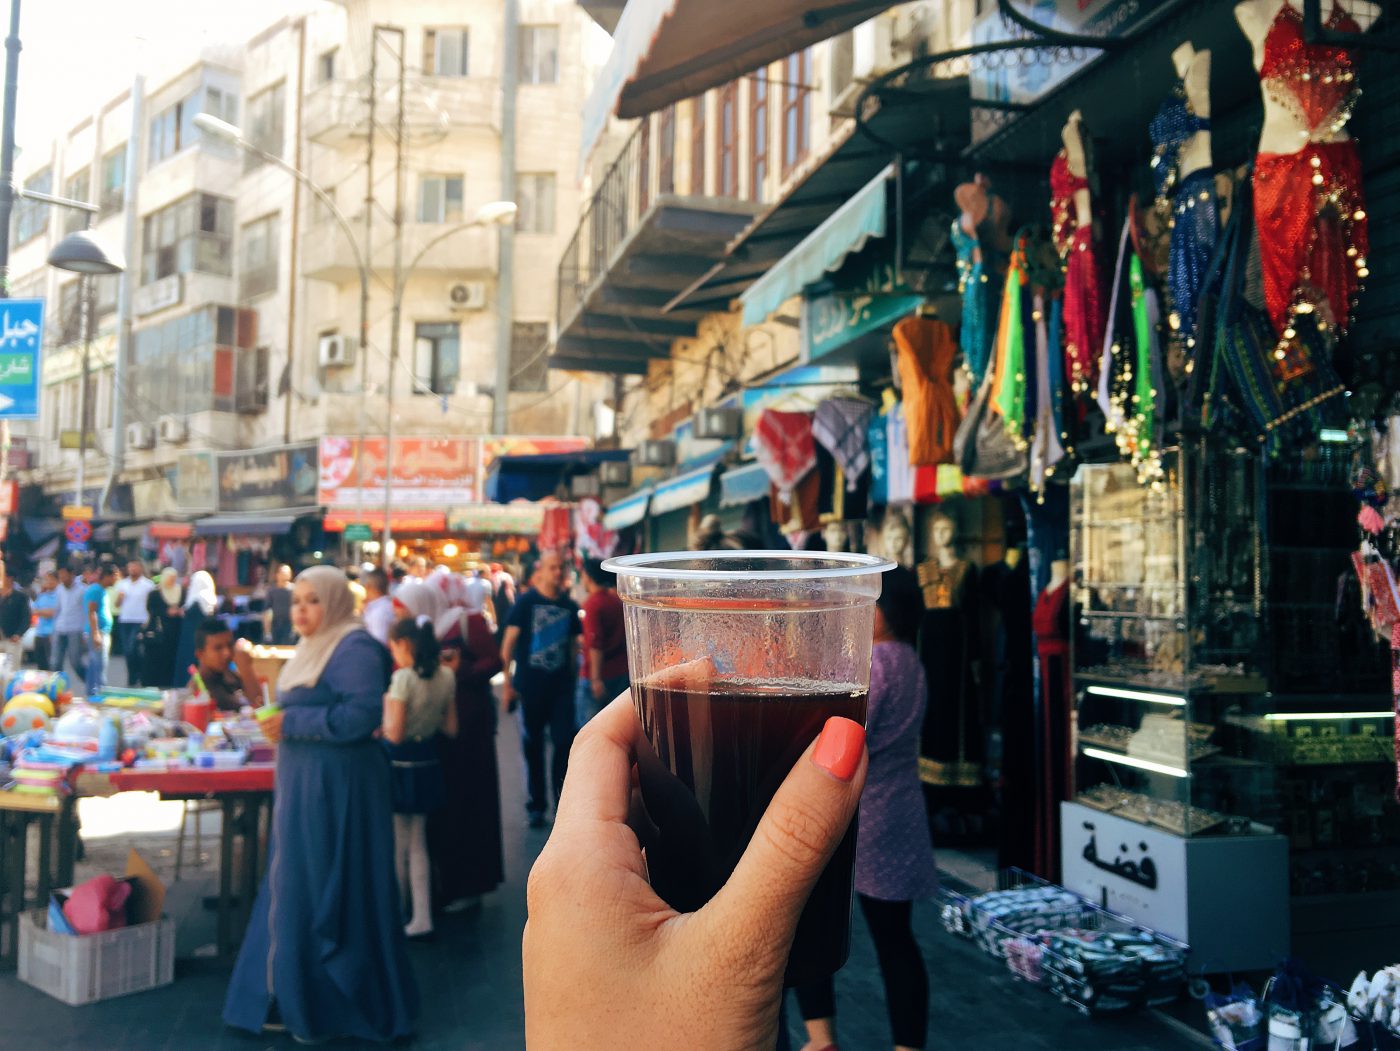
[(1193, 67), (1072, 135)]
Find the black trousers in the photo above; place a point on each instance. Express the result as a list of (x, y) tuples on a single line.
[(901, 966), (546, 709)]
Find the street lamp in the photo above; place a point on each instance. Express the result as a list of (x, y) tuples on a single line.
[(495, 213), (85, 255)]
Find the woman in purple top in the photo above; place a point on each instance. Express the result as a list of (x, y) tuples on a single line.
[(894, 854)]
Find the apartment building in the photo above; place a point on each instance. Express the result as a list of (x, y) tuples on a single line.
[(245, 305)]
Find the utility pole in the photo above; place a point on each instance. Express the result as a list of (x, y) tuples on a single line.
[(396, 315), (505, 264), (364, 279), (7, 147)]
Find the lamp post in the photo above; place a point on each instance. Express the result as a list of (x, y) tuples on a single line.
[(83, 254), (496, 213)]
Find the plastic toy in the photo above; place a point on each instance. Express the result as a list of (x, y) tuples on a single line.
[(98, 905), (26, 712)]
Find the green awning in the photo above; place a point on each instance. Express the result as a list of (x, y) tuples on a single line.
[(823, 251)]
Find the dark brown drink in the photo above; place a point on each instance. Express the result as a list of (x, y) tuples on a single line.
[(717, 756)]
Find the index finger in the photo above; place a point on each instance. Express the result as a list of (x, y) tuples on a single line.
[(599, 783)]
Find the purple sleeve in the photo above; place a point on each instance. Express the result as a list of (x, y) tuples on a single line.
[(879, 698)]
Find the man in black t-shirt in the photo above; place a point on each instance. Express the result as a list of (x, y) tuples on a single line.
[(541, 637)]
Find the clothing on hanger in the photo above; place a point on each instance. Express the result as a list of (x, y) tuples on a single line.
[(841, 424), (785, 447), (899, 480), (1084, 307)]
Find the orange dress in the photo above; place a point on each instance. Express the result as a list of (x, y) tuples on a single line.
[(926, 353)]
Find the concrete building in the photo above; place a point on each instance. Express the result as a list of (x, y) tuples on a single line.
[(245, 316)]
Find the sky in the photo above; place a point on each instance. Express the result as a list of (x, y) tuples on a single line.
[(79, 52)]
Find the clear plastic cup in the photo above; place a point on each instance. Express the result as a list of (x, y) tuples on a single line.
[(737, 660)]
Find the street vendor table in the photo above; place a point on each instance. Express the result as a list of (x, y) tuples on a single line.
[(243, 792), (57, 840)]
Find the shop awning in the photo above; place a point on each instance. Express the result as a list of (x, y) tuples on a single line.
[(135, 531), (627, 512), (849, 229), (244, 525), (668, 50), (523, 519), (743, 485), (399, 521), (684, 491), (536, 477), (171, 530)]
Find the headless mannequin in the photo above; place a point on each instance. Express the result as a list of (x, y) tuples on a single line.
[(1283, 132), (1072, 135), (1193, 67), (1059, 573)]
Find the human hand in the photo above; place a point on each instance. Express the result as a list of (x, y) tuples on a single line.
[(597, 687), (271, 727), (243, 646), (712, 978), (509, 699)]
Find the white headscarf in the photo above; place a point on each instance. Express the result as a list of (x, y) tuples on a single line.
[(170, 586), (313, 652), (202, 590), (425, 601)]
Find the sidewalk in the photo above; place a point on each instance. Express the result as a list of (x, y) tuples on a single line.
[(470, 977)]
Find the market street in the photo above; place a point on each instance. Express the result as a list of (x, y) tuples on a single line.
[(470, 977)]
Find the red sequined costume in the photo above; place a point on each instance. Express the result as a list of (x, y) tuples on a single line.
[(1309, 207), (1083, 297)]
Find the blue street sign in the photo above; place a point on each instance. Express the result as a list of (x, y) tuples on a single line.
[(21, 336)]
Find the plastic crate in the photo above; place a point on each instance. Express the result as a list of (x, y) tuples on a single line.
[(84, 969)]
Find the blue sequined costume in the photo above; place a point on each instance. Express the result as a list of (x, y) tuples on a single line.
[(1191, 203), (975, 337)]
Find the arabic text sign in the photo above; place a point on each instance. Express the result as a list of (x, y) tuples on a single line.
[(21, 337), (1135, 869), (428, 472), (268, 479), (870, 302)]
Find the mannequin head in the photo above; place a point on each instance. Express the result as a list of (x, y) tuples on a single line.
[(942, 532), (834, 533), (894, 536)]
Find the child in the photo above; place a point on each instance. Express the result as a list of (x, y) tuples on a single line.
[(214, 650), (420, 702)]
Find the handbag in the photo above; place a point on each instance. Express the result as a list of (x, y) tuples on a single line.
[(982, 448)]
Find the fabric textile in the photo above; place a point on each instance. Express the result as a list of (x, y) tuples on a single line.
[(225, 689), (926, 352), (899, 479), (415, 771), (72, 610), (412, 867), (131, 599), (95, 599), (99, 652), (425, 700), (15, 613), (325, 940), (70, 653), (1050, 622), (546, 710), (378, 618), (978, 302), (160, 638), (201, 592), (1047, 448), (332, 590), (43, 603), (543, 650), (603, 630), (279, 602), (877, 438), (841, 425), (1084, 307), (785, 447)]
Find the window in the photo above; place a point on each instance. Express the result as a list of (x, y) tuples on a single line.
[(529, 356), (194, 233), (113, 181), (189, 363), (797, 115), (257, 267), (758, 134), (32, 217), (266, 122), (325, 66), (726, 140), (105, 288), (165, 135), (539, 54), (68, 326), (173, 128), (436, 358), (440, 199), (535, 194), (77, 187), (251, 384), (218, 102), (666, 150), (697, 146), (447, 52)]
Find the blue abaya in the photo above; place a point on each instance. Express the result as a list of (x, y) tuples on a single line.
[(326, 936)]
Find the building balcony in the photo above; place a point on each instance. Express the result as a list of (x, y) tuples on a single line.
[(449, 249), (639, 246), (338, 111), (605, 12)]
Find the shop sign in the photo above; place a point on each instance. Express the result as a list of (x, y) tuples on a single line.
[(358, 533), (494, 448), (497, 519), (21, 336), (433, 472), (77, 512), (1025, 83), (72, 439), (399, 521), (268, 479), (875, 299), (154, 496), (195, 488), (1130, 868)]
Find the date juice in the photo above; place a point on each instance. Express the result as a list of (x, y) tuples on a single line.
[(716, 756)]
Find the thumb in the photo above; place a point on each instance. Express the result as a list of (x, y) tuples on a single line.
[(794, 840)]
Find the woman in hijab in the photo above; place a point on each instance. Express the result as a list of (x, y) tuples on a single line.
[(464, 834), (200, 602), (161, 636), (325, 955)]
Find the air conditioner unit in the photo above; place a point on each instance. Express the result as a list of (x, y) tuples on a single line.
[(655, 453), (615, 473), (174, 430), (336, 351), (872, 54), (467, 295), (140, 436), (584, 485), (721, 424)]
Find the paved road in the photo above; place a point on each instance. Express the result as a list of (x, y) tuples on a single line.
[(470, 977)]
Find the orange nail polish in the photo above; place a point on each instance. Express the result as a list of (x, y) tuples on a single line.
[(839, 747)]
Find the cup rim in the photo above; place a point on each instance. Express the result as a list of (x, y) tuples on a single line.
[(654, 566)]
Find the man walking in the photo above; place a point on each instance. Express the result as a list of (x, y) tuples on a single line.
[(132, 592), (45, 611), (379, 607), (99, 624), (14, 619), (69, 625), (541, 636), (279, 608)]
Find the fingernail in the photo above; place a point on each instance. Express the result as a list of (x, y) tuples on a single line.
[(839, 747)]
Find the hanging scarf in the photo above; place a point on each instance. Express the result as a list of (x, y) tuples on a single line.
[(841, 425), (1144, 420), (785, 448), (314, 651), (1009, 391)]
